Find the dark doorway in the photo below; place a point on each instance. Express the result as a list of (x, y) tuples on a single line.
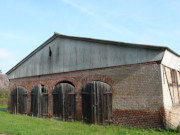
[(64, 102), (19, 100), (97, 103), (39, 101)]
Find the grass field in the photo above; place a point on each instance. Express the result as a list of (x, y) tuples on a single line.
[(25, 125), (3, 106)]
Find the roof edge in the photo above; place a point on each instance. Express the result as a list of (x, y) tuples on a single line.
[(56, 34), (116, 42)]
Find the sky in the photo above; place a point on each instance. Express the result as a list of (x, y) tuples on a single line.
[(26, 24)]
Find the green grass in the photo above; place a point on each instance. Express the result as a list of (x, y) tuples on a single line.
[(25, 125), (3, 106)]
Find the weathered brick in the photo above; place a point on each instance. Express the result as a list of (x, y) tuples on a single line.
[(137, 91)]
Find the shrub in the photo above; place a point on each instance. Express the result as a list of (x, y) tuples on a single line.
[(178, 129), (3, 101), (3, 94)]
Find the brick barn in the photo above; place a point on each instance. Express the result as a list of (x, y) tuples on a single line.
[(98, 81)]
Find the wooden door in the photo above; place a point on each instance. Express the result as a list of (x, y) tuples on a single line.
[(34, 101), (88, 103), (19, 100), (64, 102), (43, 101), (39, 101), (97, 103), (107, 105), (14, 101)]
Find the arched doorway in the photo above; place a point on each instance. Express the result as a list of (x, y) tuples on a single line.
[(97, 103), (64, 101), (39, 101), (19, 100)]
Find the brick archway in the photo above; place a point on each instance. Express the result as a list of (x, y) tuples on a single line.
[(76, 84), (97, 77), (15, 85)]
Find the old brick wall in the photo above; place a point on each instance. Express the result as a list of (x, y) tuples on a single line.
[(172, 117), (137, 91), (138, 98)]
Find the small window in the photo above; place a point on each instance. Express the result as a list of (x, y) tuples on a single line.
[(50, 52), (43, 90), (174, 76)]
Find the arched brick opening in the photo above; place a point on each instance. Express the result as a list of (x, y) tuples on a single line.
[(64, 101), (96, 77), (67, 79), (39, 101), (97, 103), (12, 87), (19, 100), (77, 86)]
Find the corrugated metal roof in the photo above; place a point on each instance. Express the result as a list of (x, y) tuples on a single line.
[(90, 40)]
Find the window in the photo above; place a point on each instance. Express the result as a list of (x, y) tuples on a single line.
[(174, 88), (174, 76)]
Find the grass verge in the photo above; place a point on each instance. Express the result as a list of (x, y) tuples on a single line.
[(24, 125), (3, 106)]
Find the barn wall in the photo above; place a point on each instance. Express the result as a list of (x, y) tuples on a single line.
[(137, 91), (173, 117), (171, 108), (166, 91), (72, 55)]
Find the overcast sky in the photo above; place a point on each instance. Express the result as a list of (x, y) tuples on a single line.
[(26, 24)]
